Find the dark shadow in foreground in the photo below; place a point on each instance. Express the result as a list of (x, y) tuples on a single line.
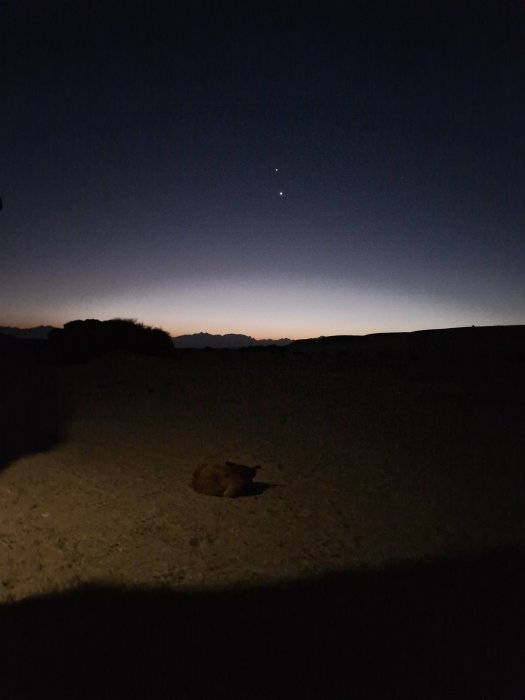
[(447, 629), (30, 415)]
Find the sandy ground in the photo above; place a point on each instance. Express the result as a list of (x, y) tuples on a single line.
[(383, 558), (369, 465)]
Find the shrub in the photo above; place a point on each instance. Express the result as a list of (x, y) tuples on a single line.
[(80, 341)]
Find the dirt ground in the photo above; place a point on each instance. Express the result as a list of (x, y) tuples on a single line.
[(368, 464)]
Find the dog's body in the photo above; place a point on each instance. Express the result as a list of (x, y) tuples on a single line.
[(227, 479)]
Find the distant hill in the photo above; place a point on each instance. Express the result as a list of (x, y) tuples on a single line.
[(13, 347), (37, 333), (230, 340), (475, 341), (197, 340)]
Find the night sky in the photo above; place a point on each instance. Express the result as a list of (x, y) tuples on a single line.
[(269, 168)]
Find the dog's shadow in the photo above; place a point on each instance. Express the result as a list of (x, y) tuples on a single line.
[(259, 487), (253, 488)]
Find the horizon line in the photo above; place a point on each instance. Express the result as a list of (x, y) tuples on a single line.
[(273, 337)]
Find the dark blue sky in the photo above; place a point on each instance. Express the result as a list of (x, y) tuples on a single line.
[(139, 145)]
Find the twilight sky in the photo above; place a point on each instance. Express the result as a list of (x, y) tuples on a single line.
[(144, 148)]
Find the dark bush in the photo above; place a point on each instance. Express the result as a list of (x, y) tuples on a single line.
[(80, 341)]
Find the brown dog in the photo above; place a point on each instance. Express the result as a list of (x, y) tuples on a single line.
[(228, 479)]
